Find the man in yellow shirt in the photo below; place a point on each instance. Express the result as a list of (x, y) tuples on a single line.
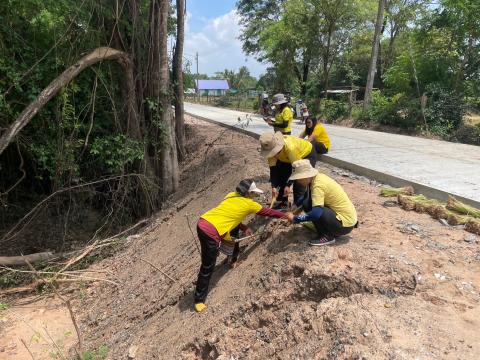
[(317, 135), (326, 203), (281, 151), (216, 226), (283, 115)]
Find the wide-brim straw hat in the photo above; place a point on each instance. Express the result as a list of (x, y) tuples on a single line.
[(302, 169), (279, 99), (271, 144)]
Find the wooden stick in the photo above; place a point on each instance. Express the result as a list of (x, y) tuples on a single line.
[(194, 237), (274, 198), (67, 303), (156, 267), (26, 347)]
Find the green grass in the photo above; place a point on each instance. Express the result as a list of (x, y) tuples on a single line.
[(99, 354)]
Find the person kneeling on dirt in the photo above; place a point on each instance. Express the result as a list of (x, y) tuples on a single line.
[(216, 226), (326, 204), (281, 151), (317, 135)]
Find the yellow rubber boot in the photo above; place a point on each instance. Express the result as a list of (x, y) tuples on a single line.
[(199, 307)]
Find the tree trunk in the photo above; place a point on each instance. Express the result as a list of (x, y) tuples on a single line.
[(373, 59), (326, 60), (178, 79), (162, 157), (97, 55)]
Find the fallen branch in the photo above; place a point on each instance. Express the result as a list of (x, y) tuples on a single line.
[(156, 267), (37, 283), (80, 277), (32, 258)]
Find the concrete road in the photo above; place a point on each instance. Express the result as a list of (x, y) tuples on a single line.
[(435, 168)]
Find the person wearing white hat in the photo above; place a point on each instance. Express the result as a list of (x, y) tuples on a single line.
[(281, 151), (216, 227), (283, 115), (326, 203)]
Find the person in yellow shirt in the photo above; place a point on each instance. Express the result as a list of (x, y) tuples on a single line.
[(317, 135), (283, 115), (326, 204), (216, 227), (281, 151)]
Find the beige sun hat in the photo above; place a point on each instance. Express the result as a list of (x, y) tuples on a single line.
[(279, 99), (302, 169), (271, 144)]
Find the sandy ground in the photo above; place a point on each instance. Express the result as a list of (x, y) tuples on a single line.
[(401, 286)]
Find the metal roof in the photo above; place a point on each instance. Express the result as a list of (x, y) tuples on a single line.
[(212, 85)]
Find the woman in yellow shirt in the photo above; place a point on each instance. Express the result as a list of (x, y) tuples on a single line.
[(317, 135), (215, 227), (281, 151), (283, 115), (326, 203)]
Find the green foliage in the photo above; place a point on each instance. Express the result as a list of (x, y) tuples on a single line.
[(333, 110), (445, 109), (114, 152), (399, 111), (241, 80), (100, 354), (468, 134), (3, 307)]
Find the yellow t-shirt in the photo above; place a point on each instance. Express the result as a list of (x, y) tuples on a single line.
[(320, 135), (285, 116), (327, 192), (293, 150), (230, 213)]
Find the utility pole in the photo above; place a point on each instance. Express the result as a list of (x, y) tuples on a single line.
[(198, 90)]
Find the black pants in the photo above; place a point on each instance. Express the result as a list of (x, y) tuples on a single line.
[(280, 173), (209, 248), (320, 148), (329, 225)]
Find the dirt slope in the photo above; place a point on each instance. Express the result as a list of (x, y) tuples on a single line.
[(402, 286)]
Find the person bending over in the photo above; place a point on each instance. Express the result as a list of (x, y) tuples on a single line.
[(281, 151), (326, 204), (216, 227)]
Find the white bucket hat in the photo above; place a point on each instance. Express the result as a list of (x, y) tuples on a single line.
[(302, 169), (271, 144), (279, 99)]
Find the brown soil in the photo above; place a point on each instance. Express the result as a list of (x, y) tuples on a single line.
[(401, 286)]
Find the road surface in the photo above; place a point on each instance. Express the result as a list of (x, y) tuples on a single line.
[(435, 168)]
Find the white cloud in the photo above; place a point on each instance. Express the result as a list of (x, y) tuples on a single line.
[(218, 46)]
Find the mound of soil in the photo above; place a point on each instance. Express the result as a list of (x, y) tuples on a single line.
[(401, 286)]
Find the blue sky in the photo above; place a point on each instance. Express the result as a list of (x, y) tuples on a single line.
[(212, 29)]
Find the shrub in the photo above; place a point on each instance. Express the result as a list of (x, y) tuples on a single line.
[(445, 109), (333, 110), (223, 101), (468, 134), (398, 110)]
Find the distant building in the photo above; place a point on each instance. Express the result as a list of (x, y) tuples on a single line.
[(212, 87)]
